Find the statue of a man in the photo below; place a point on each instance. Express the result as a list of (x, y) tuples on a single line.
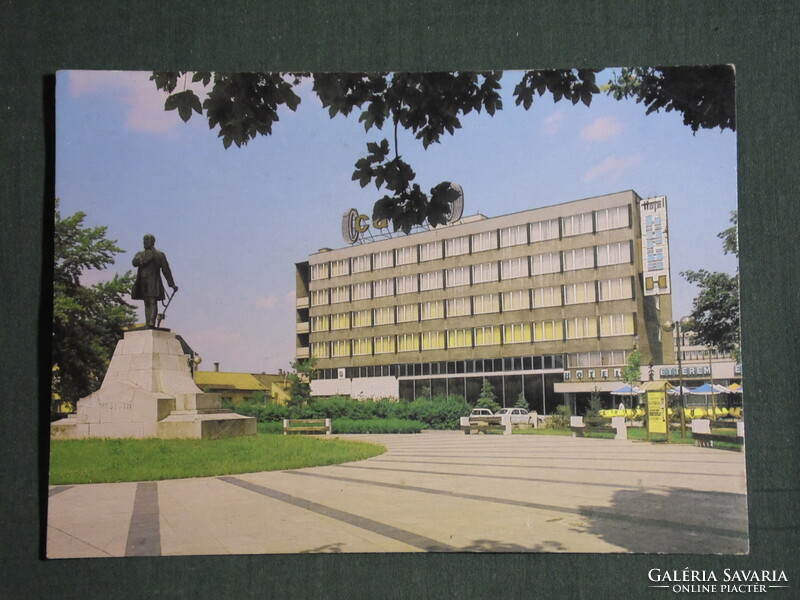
[(148, 285)]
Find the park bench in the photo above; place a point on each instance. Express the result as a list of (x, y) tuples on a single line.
[(580, 426), (307, 426), (485, 424), (704, 437)]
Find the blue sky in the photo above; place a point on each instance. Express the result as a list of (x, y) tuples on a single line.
[(233, 222)]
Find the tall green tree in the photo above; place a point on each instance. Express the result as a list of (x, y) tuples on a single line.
[(487, 398), (243, 106), (715, 308), (300, 382), (88, 320)]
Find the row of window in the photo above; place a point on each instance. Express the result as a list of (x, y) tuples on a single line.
[(589, 222), (490, 335), (597, 359), (453, 367), (620, 288), (513, 268)]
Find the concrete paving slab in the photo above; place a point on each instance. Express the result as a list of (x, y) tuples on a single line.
[(436, 491)]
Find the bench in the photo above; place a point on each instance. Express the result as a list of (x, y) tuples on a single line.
[(581, 427), (705, 438), (485, 424), (307, 426)]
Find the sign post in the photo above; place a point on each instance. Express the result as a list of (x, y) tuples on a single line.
[(657, 408)]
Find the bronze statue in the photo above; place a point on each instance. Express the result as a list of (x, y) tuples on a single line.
[(148, 285)]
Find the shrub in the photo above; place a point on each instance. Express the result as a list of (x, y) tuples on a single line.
[(560, 419), (441, 412)]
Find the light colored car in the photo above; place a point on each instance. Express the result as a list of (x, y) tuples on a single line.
[(518, 415), (481, 412)]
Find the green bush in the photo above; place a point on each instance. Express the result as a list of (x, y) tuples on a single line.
[(441, 412), (560, 419), (377, 426)]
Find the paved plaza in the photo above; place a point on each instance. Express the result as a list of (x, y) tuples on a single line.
[(433, 492)]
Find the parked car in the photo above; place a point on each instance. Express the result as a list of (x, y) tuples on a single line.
[(481, 412), (518, 415)]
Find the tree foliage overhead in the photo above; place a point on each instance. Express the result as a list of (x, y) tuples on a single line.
[(243, 106), (88, 321), (715, 309)]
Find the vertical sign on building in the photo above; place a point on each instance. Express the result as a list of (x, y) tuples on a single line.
[(655, 245)]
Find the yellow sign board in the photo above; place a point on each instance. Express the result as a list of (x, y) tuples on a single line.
[(656, 415)]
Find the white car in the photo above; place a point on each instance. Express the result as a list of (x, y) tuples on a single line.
[(481, 412), (518, 415)]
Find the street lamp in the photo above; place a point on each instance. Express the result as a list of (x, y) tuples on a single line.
[(670, 326)]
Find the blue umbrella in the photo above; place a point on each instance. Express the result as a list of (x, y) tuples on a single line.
[(626, 390)]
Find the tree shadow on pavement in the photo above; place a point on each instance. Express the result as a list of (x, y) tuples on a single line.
[(674, 520), (496, 546)]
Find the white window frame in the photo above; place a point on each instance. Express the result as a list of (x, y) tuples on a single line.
[(433, 340), (431, 310), (361, 318), (457, 276), (457, 246), (485, 272), (340, 321), (340, 348), (408, 313), (516, 300), (549, 262), (515, 235), (320, 323), (616, 253), (320, 297), (340, 294), (406, 284), (486, 240), (485, 304), (320, 271), (545, 230), (579, 293), (384, 344), (430, 251), (362, 291), (382, 288), (407, 342), (514, 268), (618, 288), (616, 217), (517, 333), (578, 328), (361, 264), (362, 347), (382, 260), (383, 316), (340, 267), (577, 224), (405, 256), (578, 258), (320, 349), (488, 335), (459, 338), (546, 296), (431, 280), (459, 307)]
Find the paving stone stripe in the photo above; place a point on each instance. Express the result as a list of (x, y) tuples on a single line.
[(395, 533), (593, 512), (616, 486), (144, 534), (433, 461)]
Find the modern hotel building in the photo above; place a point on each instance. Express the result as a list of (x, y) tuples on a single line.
[(548, 303)]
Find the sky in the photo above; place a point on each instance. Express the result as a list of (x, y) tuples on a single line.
[(233, 222)]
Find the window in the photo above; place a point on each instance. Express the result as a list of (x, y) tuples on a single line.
[(484, 241), (487, 303), (544, 331), (384, 344), (547, 296), (585, 359), (362, 347), (361, 264), (340, 348), (578, 293), (340, 321), (321, 323), (319, 297), (340, 267), (459, 338), (384, 316), (487, 336), (340, 294), (581, 327), (544, 230), (407, 284), (458, 307), (407, 313), (546, 263), (382, 260), (430, 251), (614, 254), (432, 340), (577, 224), (406, 256), (516, 333), (615, 357), (320, 350), (432, 310), (433, 280), (513, 236), (485, 272), (616, 289), (612, 218), (319, 271), (516, 300), (383, 287), (579, 258), (514, 267), (362, 318), (457, 276), (408, 342), (616, 325), (457, 246), (361, 291)]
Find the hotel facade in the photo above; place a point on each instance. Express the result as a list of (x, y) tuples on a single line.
[(547, 303)]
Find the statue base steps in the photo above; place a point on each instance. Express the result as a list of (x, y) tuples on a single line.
[(148, 392)]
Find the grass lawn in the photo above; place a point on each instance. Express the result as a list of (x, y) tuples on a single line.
[(112, 460)]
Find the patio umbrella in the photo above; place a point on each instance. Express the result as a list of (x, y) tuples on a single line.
[(626, 390)]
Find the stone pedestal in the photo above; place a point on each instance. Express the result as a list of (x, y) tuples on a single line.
[(148, 391)]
